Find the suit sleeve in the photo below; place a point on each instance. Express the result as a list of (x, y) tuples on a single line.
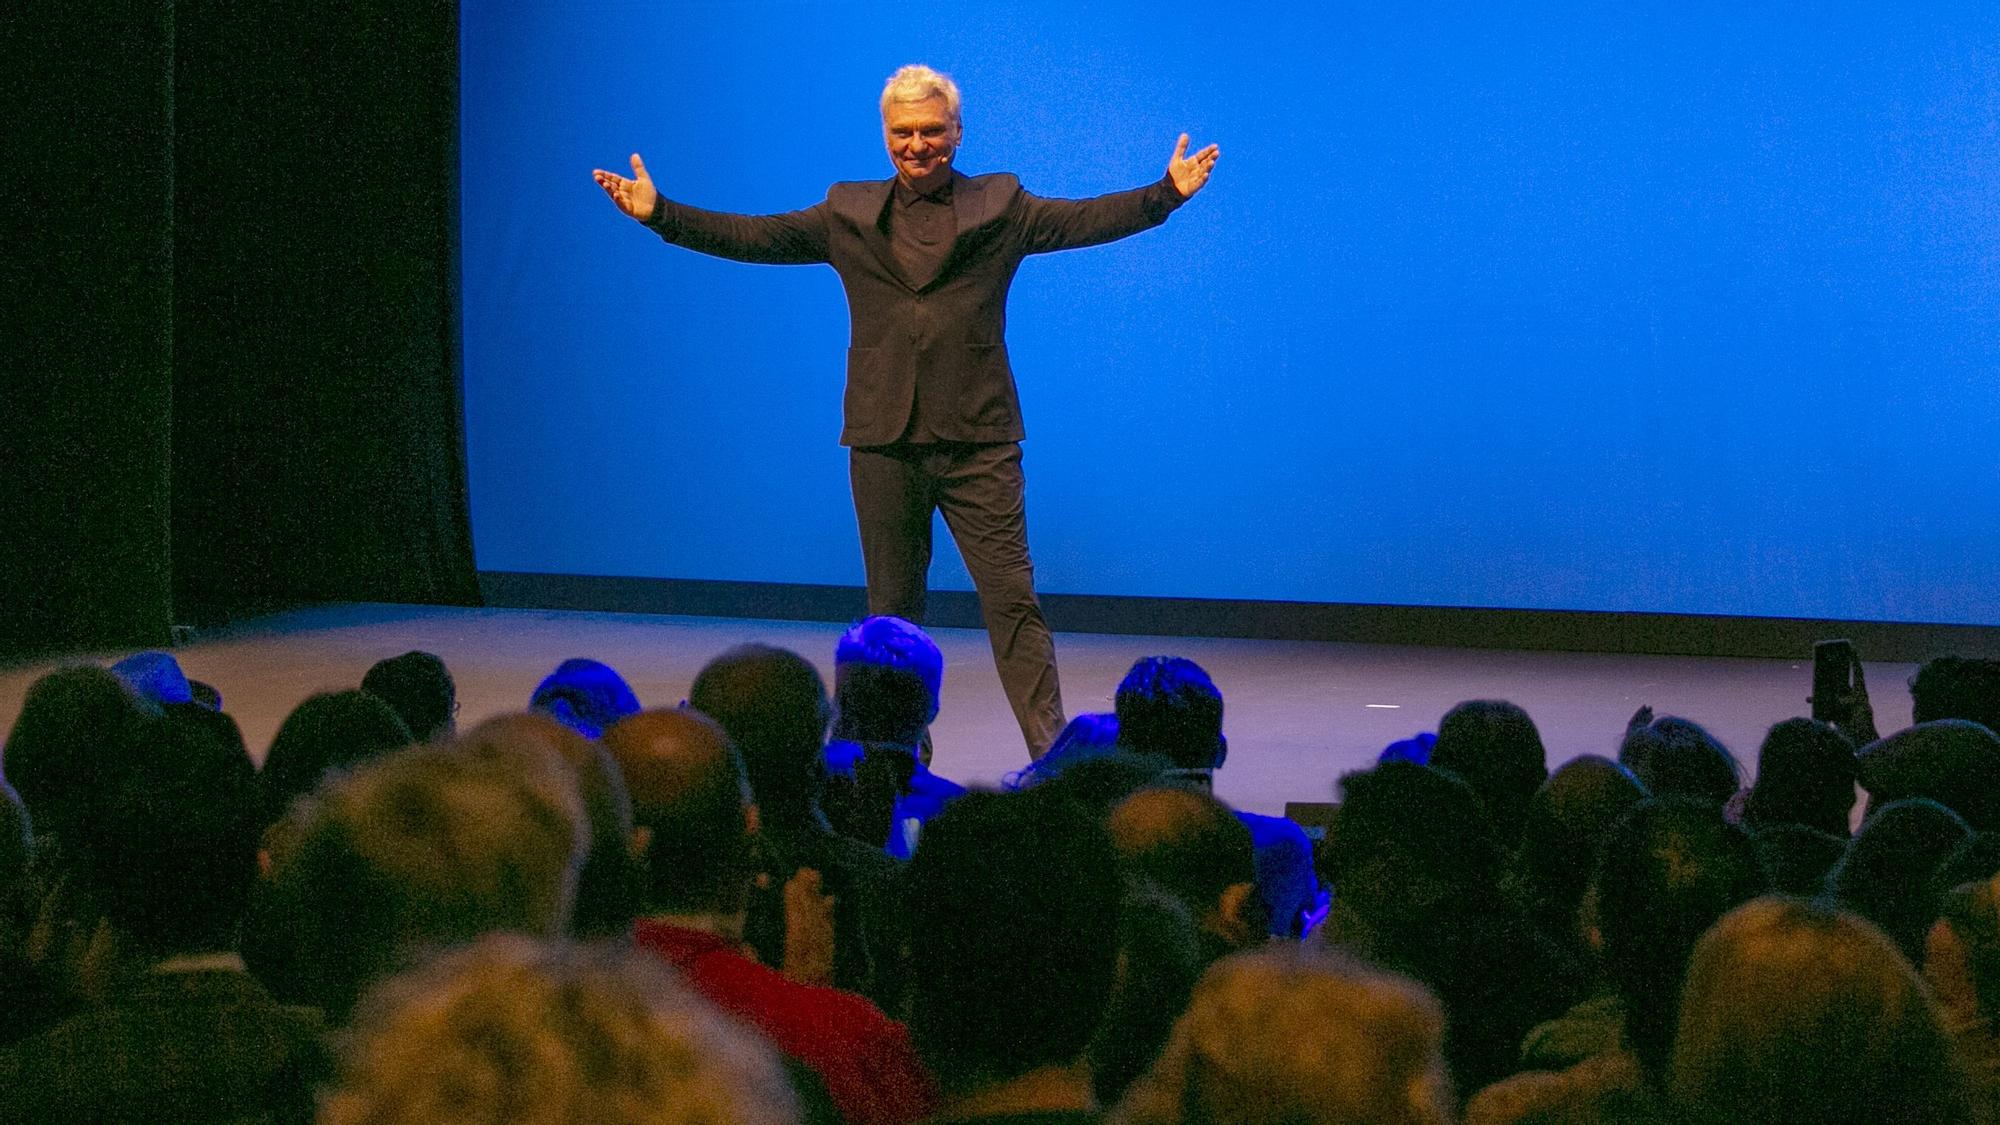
[(790, 238), (1064, 224)]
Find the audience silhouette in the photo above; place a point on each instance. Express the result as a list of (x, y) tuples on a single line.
[(764, 906)]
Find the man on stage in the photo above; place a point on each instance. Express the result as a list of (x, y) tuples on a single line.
[(933, 422)]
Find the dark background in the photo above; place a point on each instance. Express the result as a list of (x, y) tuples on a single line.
[(231, 376)]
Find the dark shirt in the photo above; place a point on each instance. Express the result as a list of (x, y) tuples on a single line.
[(199, 1046), (921, 228), (920, 231)]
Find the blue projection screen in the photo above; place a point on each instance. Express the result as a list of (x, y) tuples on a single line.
[(1654, 307)]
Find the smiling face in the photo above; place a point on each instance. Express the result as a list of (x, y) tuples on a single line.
[(922, 137)]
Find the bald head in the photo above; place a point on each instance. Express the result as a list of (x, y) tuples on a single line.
[(1188, 844), (773, 704), (689, 798)]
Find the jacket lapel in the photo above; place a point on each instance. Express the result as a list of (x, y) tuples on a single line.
[(872, 217), (867, 206), (973, 205)]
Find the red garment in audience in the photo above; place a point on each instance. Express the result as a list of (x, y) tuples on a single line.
[(865, 1057)]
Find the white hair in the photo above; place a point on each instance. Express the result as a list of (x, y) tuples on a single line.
[(511, 1029), (916, 82)]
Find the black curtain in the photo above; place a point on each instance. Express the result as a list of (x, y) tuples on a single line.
[(236, 384), (86, 285)]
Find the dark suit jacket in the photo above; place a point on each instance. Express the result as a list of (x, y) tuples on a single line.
[(948, 334)]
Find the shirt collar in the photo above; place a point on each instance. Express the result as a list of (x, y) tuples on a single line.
[(906, 195)]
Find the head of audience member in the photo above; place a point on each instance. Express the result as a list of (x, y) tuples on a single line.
[(78, 734), (1674, 757), (1667, 872), (155, 676), (1951, 761), (1962, 957), (1191, 846), (1168, 705), (690, 809), (861, 801), (1888, 871), (17, 842), (1494, 746), (1566, 820), (331, 731), (1417, 748), (887, 674), (1957, 687), (584, 695), (510, 1029), (1089, 731), (1084, 738), (1300, 1036), (418, 687), (773, 705), (1402, 821), (1794, 1011), (1976, 859), (173, 854), (1416, 888), (205, 695), (1805, 775), (419, 850), (1016, 897), (17, 835), (606, 885), (1159, 960), (1798, 859), (1099, 783)]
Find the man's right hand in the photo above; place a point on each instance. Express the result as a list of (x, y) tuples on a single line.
[(634, 197)]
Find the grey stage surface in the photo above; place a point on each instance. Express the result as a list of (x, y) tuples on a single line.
[(1298, 714)]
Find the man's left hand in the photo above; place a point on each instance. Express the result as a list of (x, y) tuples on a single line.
[(1190, 172)]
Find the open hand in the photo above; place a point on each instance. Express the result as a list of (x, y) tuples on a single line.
[(634, 197), (809, 937), (1641, 719), (1188, 172)]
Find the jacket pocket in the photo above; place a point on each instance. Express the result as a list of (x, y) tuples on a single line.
[(862, 398)]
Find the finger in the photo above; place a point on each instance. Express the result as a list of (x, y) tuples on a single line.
[(639, 166), (1180, 148)]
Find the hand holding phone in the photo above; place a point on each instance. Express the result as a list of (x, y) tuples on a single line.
[(1840, 691), (1833, 679)]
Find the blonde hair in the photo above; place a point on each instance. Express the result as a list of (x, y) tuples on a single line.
[(427, 847), (916, 82), (1298, 1035), (1796, 1011), (514, 1030)]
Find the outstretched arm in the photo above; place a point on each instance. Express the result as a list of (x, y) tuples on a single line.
[(1063, 224), (793, 237)]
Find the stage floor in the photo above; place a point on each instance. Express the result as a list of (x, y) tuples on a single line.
[(1298, 714)]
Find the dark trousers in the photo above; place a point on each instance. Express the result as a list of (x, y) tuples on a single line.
[(982, 494)]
